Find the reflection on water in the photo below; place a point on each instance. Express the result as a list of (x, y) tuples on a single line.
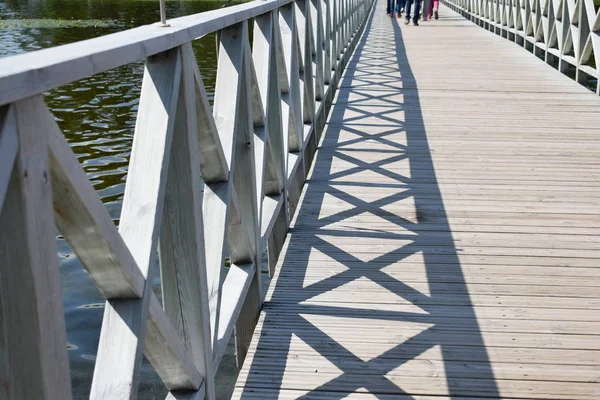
[(97, 116)]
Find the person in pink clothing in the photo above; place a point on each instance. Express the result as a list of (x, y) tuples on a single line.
[(433, 11)]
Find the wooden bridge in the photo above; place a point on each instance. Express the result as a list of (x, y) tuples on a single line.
[(445, 244)]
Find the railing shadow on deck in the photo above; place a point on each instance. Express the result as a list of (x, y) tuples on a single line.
[(428, 237)]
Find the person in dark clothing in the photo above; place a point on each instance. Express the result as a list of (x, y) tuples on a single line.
[(394, 8), (416, 10)]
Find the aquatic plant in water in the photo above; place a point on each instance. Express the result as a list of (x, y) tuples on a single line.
[(59, 23)]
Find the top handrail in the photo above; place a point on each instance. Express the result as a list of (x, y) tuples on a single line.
[(36, 72)]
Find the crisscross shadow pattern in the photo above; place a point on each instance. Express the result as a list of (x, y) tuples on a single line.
[(358, 305), (446, 246)]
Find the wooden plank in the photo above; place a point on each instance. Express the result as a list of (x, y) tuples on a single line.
[(428, 368), (85, 223), (265, 51), (33, 344), (258, 87), (8, 148), (289, 394), (213, 164), (271, 210), (218, 196), (181, 251), (384, 352), (124, 324), (215, 214), (168, 355), (327, 42), (316, 14), (274, 228), (277, 130), (433, 386), (267, 85), (305, 46), (291, 102), (249, 203), (236, 285)]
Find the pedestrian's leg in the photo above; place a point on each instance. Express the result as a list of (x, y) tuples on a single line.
[(426, 8), (436, 6), (388, 9), (407, 10), (416, 12)]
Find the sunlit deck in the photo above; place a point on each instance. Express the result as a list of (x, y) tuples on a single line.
[(447, 242)]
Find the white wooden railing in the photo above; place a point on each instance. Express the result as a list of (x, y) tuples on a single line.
[(563, 32), (202, 184)]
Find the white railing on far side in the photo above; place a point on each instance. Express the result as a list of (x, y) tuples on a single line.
[(565, 33)]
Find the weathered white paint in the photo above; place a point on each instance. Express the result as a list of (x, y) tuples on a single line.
[(124, 324), (33, 345), (8, 148)]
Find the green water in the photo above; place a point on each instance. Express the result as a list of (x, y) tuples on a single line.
[(97, 116)]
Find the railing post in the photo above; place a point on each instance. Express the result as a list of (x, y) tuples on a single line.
[(328, 62), (334, 35), (33, 345), (116, 373), (181, 247), (317, 32)]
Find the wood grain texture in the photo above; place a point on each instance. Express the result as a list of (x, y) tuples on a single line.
[(124, 324), (85, 223), (247, 195), (181, 247), (9, 145), (291, 99), (174, 361), (213, 164), (33, 345), (445, 245), (236, 285)]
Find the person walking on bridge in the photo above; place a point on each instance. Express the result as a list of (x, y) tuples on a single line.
[(433, 11), (416, 10), (394, 8)]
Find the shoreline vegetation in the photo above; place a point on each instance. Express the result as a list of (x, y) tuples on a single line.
[(77, 21), (61, 23)]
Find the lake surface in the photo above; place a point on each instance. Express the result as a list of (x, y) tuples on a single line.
[(97, 115)]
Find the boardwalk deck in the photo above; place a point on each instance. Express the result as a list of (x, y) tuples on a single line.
[(447, 243)]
